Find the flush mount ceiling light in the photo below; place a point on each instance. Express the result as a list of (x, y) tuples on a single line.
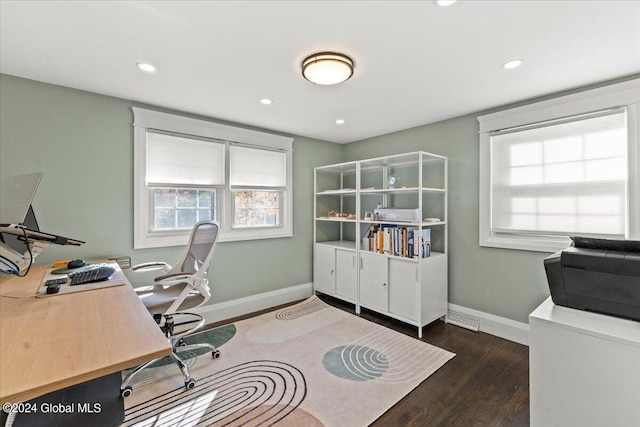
[(327, 68), (510, 65), (445, 3), (148, 68), (266, 101), (340, 121)]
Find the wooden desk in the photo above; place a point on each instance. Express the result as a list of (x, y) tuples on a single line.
[(47, 344)]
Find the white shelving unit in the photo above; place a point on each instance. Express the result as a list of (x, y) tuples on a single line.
[(407, 288)]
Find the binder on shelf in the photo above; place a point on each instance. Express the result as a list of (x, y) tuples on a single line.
[(426, 243), (386, 238)]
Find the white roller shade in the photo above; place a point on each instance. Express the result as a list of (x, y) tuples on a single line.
[(176, 161), (256, 167), (567, 177)]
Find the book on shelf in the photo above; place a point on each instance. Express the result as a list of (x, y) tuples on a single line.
[(400, 241)]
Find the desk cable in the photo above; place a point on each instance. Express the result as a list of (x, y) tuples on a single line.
[(11, 267), (18, 296)]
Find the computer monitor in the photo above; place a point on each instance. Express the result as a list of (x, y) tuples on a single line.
[(20, 237), (16, 195), (16, 212)]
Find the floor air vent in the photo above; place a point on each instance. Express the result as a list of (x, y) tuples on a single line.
[(463, 320)]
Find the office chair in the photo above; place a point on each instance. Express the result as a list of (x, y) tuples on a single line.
[(181, 287)]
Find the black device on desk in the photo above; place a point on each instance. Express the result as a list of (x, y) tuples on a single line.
[(97, 273), (599, 275), (91, 275)]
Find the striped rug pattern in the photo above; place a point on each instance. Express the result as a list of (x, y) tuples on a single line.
[(306, 365), (262, 390)]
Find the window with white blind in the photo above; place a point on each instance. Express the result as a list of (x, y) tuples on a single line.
[(555, 169), (258, 184), (189, 170), (183, 192)]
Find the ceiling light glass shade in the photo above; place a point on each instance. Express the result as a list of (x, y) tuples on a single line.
[(510, 65), (146, 67), (327, 68)]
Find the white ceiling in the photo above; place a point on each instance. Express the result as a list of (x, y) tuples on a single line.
[(416, 63)]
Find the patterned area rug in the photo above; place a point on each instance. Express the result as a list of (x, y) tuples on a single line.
[(306, 365)]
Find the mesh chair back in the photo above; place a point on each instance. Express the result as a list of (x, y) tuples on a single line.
[(203, 237)]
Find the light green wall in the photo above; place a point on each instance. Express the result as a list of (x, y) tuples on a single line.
[(507, 283), (83, 142)]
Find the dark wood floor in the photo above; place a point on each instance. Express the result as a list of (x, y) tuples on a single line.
[(486, 384)]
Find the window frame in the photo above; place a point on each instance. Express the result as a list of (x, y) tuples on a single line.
[(184, 126), (626, 94)]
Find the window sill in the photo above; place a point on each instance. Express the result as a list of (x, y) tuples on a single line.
[(248, 234), (169, 239), (527, 243)]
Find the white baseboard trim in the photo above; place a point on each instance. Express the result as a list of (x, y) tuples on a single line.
[(241, 306), (489, 323), (496, 325)]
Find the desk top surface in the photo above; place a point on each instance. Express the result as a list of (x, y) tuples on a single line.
[(47, 344), (603, 326)]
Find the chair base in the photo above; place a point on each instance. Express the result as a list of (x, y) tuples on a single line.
[(178, 345)]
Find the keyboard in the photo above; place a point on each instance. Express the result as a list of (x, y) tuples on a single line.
[(96, 274)]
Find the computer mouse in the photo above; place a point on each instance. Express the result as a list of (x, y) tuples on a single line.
[(53, 289), (76, 263)]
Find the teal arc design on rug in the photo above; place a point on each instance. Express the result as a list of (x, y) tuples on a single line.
[(355, 363), (216, 337)]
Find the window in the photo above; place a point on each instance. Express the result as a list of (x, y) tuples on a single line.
[(560, 168), (189, 170), (182, 191), (181, 208), (257, 180)]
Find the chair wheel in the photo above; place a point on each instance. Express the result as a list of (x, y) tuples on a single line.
[(191, 383), (181, 343), (215, 354), (126, 392)]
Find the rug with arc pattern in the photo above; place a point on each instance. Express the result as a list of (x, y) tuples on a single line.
[(309, 364)]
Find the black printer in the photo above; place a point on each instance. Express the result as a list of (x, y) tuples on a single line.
[(599, 275)]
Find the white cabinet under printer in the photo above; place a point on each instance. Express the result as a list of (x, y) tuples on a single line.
[(584, 368)]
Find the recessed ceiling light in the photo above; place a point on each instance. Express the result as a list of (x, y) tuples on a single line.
[(445, 3), (148, 68), (327, 68), (340, 121), (266, 101), (510, 65)]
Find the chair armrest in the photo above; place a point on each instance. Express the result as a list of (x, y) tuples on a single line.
[(175, 276), (149, 266)]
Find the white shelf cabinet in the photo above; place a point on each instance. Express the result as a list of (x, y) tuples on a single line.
[(584, 368), (410, 289), (374, 279), (335, 272)]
